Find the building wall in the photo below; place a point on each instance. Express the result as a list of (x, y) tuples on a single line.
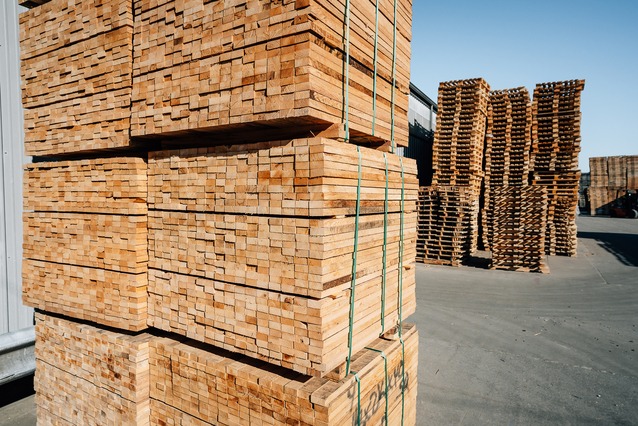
[(422, 123), (13, 315)]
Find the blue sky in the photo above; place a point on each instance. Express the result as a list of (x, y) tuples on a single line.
[(520, 43)]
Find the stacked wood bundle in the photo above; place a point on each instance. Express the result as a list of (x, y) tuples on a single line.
[(443, 224), (77, 62), (555, 146), (195, 384), (611, 177), (520, 214), (85, 240), (274, 287), (457, 153), (271, 268), (507, 150), (224, 67), (88, 375)]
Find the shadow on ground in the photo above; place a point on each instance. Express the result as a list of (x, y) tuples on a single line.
[(623, 246)]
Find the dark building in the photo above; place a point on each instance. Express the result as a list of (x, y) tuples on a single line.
[(422, 120)]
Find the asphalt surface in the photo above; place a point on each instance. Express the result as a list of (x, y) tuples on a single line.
[(513, 348)]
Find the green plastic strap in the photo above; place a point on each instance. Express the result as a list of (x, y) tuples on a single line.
[(353, 282), (374, 79), (358, 380), (402, 378), (400, 307), (347, 73), (385, 365), (385, 245), (394, 69)]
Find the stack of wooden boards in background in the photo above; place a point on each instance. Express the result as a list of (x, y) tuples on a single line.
[(611, 177), (219, 283), (457, 161), (486, 141), (555, 147)]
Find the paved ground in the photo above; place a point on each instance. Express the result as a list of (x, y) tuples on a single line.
[(517, 348)]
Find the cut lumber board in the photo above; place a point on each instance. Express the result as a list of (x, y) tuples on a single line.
[(110, 298), (305, 177), (88, 375), (195, 384), (300, 256), (304, 334), (103, 185), (111, 242)]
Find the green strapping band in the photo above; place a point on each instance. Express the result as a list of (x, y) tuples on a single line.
[(385, 363), (374, 80), (347, 73), (394, 78), (385, 245), (402, 378), (354, 265), (400, 307), (358, 380)]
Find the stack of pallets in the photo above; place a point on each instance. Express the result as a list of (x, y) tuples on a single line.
[(260, 269), (457, 153), (443, 225), (507, 150), (518, 243), (555, 147)]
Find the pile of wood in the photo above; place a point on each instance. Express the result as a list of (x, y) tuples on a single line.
[(269, 64), (77, 73), (85, 240), (457, 153), (611, 177), (443, 225), (555, 147), (200, 243), (520, 214), (507, 150)]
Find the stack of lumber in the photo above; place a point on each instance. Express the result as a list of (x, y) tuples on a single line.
[(278, 288), (85, 239), (555, 146), (611, 177), (224, 67), (520, 213), (443, 224), (457, 153), (197, 384), (507, 150), (77, 63), (260, 270), (89, 375)]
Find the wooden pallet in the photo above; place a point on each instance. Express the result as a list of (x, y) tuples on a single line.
[(305, 178), (88, 375), (198, 384), (304, 334)]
